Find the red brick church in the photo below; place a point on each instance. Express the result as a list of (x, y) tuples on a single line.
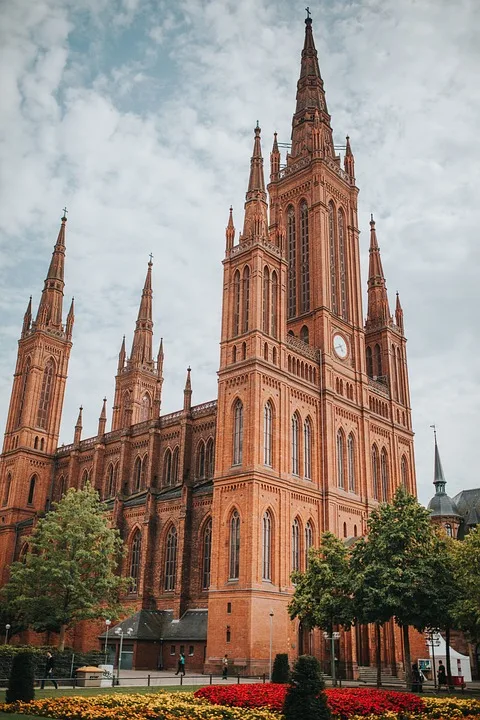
[(218, 503)]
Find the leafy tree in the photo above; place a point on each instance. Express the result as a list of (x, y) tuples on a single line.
[(281, 669), (305, 696), (466, 608), (20, 684), (70, 571)]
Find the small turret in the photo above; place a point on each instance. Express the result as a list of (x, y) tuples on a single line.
[(230, 231), (187, 393), (102, 420), (349, 161), (274, 159), (78, 427)]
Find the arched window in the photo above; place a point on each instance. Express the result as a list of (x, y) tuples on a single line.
[(236, 303), (137, 475), (395, 372), (343, 273), (265, 352), (246, 297), (234, 555), (267, 546), (292, 262), (266, 300), (355, 532), (384, 472), (62, 484), (295, 545), (369, 362), (111, 480), (448, 530), (344, 529), (175, 464), (308, 541), (42, 444), (6, 491), (307, 449), (85, 479), (209, 459), (401, 377), (135, 561), (46, 394), (23, 391), (304, 334), (273, 320), (167, 467), (404, 472), (304, 259), (351, 463), (143, 480), (333, 257), (267, 434), (22, 557), (201, 460), (31, 490), (375, 471), (274, 356), (207, 553), (238, 433), (340, 460), (145, 408), (295, 448), (378, 360), (35, 443), (126, 419), (171, 559), (234, 354)]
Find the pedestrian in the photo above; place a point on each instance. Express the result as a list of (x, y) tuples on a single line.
[(48, 674), (416, 679), (181, 664), (442, 676), (225, 667)]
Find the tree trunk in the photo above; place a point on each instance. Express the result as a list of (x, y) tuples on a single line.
[(378, 653), (447, 658), (407, 658), (61, 639)]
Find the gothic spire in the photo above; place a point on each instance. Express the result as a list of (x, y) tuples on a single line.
[(50, 308), (142, 340), (274, 159), (230, 231), (122, 355), (160, 358), (102, 420), (27, 318), (438, 476), (398, 314), (256, 223), (187, 392), (70, 320), (78, 427), (378, 312), (349, 160)]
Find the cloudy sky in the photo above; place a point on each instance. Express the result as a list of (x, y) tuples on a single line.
[(138, 114)]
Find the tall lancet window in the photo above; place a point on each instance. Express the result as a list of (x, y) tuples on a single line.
[(246, 297), (341, 460), (135, 561), (207, 554), (46, 394), (266, 300), (307, 449), (384, 474), (267, 546), (295, 448), (295, 545), (274, 306), (145, 408), (404, 472), (308, 541), (23, 391), (236, 303), (292, 262), (333, 257), (171, 559), (375, 471), (267, 433), (351, 463), (343, 264), (238, 433), (234, 558), (304, 259)]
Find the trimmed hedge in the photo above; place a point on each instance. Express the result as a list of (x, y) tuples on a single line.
[(20, 684), (63, 660)]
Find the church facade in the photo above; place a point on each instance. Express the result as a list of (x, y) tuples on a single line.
[(218, 503)]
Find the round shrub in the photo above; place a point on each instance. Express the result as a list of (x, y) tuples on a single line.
[(305, 696), (281, 669), (20, 684)]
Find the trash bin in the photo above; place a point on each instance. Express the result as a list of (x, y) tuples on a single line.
[(458, 681), (107, 675), (89, 676)]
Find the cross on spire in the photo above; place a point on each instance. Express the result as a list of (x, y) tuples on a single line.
[(309, 14), (151, 258), (65, 211)]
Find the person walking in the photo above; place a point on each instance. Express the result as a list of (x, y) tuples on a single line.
[(181, 664), (442, 676), (225, 667), (48, 674), (416, 679)]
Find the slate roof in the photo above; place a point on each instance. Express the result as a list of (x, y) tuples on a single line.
[(160, 625), (441, 504)]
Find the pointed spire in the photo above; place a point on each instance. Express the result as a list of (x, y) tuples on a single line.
[(378, 309), (274, 159), (160, 358), (122, 355), (349, 160), (142, 340), (438, 476), (187, 393), (102, 420), (50, 308), (230, 231), (399, 314), (78, 427), (70, 320), (256, 223), (27, 318)]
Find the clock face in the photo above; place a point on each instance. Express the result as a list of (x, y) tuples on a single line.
[(340, 346)]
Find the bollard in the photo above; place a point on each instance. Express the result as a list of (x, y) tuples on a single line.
[(264, 678), (238, 679), (74, 682), (211, 679), (148, 680), (181, 679)]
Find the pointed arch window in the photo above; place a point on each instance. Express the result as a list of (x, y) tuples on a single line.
[(308, 541), (448, 530), (266, 300), (404, 472), (292, 262), (62, 484), (111, 480), (85, 479), (167, 467), (234, 555), (307, 449), (23, 391), (304, 259), (238, 433), (46, 394), (207, 554), (340, 460), (137, 475), (304, 334), (246, 298), (145, 408), (351, 463), (375, 471), (209, 459), (274, 305), (333, 257), (31, 490), (378, 360), (236, 303), (201, 460), (126, 418), (384, 474), (267, 546), (171, 559), (295, 545), (369, 361), (143, 479), (267, 434), (175, 464), (6, 491), (295, 448), (135, 553), (342, 263), (401, 377)]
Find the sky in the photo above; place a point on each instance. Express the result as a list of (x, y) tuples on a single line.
[(139, 116)]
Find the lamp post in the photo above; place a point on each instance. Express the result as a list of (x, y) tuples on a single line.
[(270, 657), (432, 641), (119, 632), (107, 623), (7, 628), (334, 636)]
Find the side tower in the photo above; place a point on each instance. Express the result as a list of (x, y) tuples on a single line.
[(36, 403)]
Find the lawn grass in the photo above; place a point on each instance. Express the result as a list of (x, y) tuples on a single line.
[(85, 692)]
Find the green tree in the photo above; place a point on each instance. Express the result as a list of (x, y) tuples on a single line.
[(71, 570), (281, 669), (466, 608), (305, 697)]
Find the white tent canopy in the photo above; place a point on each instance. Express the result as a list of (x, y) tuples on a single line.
[(460, 664)]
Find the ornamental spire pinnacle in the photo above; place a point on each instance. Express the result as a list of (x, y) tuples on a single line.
[(230, 231), (51, 304), (378, 312), (142, 340), (187, 392), (438, 475), (102, 420), (256, 222)]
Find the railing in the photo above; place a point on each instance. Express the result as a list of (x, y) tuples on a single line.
[(150, 680), (204, 408), (303, 348), (379, 387), (170, 418)]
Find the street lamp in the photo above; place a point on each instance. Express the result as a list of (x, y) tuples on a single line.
[(7, 628), (432, 641), (270, 660), (119, 632), (334, 636), (107, 623)]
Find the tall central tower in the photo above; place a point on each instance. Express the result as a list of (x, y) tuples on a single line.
[(311, 433)]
